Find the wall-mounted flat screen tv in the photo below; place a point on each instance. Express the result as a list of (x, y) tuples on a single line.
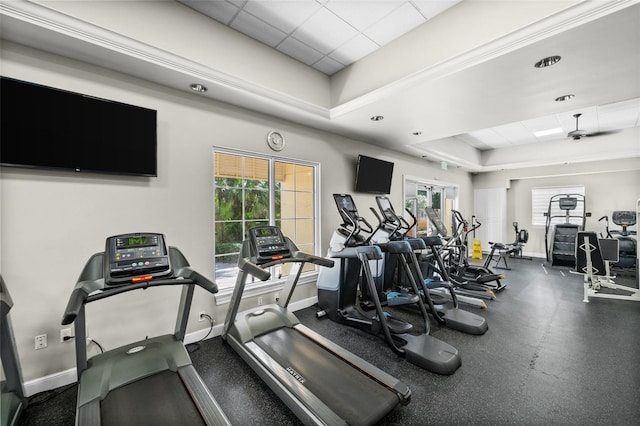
[(373, 176), (44, 127)]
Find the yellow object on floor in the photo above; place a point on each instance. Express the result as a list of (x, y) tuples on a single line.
[(476, 252)]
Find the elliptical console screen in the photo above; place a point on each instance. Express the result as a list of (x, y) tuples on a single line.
[(136, 257), (268, 244), (344, 201)]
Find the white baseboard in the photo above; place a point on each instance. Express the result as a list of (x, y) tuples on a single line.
[(50, 382), (67, 377)]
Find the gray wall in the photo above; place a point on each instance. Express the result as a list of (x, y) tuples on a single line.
[(609, 186), (51, 222)]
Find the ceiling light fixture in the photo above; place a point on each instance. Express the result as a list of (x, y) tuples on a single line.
[(548, 132), (565, 98), (197, 87), (548, 61), (377, 118), (418, 133)]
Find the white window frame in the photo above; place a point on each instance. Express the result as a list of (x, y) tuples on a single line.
[(257, 288)]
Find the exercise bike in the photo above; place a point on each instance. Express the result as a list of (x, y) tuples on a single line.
[(505, 251), (627, 245)]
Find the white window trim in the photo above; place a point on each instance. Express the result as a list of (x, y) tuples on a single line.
[(223, 296)]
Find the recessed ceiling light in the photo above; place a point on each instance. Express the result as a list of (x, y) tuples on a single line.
[(565, 98), (377, 118), (197, 87), (548, 61), (548, 132), (418, 133)]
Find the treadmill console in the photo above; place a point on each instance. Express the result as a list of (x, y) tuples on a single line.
[(131, 258), (268, 243)]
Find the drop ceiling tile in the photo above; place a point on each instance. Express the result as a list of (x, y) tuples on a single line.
[(515, 133), (324, 31), (221, 11), (284, 15), (470, 140), (328, 65), (356, 48), (299, 51), (360, 14), (619, 115), (398, 22), (429, 9), (257, 29), (489, 138), (542, 123)]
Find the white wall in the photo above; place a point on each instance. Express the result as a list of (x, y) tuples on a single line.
[(51, 222), (609, 185)]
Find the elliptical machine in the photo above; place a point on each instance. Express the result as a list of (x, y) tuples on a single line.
[(338, 287), (424, 252), (360, 262)]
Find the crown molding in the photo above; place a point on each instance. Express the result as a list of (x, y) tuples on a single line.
[(568, 18), (41, 27)]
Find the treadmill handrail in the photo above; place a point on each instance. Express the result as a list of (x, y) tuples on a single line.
[(91, 286), (296, 257)]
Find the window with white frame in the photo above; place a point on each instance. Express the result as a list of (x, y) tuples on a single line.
[(540, 198), (253, 189)]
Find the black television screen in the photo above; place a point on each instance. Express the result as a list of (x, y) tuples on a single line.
[(44, 127), (373, 175)]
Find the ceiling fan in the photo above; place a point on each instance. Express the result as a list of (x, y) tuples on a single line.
[(578, 134)]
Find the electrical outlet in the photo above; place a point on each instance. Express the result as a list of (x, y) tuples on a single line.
[(65, 332), (41, 341), (201, 316), (260, 301)]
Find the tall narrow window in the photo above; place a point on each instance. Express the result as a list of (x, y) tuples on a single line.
[(252, 190)]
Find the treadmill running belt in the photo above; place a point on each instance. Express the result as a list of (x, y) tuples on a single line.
[(352, 395), (160, 399)]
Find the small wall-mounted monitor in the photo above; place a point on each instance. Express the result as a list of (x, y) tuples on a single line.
[(373, 175), (48, 128)]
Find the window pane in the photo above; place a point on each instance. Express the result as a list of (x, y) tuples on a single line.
[(304, 205), (304, 178), (256, 204), (228, 204), (254, 223), (229, 237), (287, 204), (288, 228), (304, 232), (284, 173), (224, 182)]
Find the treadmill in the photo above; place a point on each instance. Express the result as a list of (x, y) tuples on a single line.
[(319, 381), (151, 381), (12, 402)]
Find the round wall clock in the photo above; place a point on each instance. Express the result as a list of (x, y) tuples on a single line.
[(275, 141)]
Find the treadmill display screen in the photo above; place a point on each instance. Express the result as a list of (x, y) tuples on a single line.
[(268, 243), (135, 257)]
